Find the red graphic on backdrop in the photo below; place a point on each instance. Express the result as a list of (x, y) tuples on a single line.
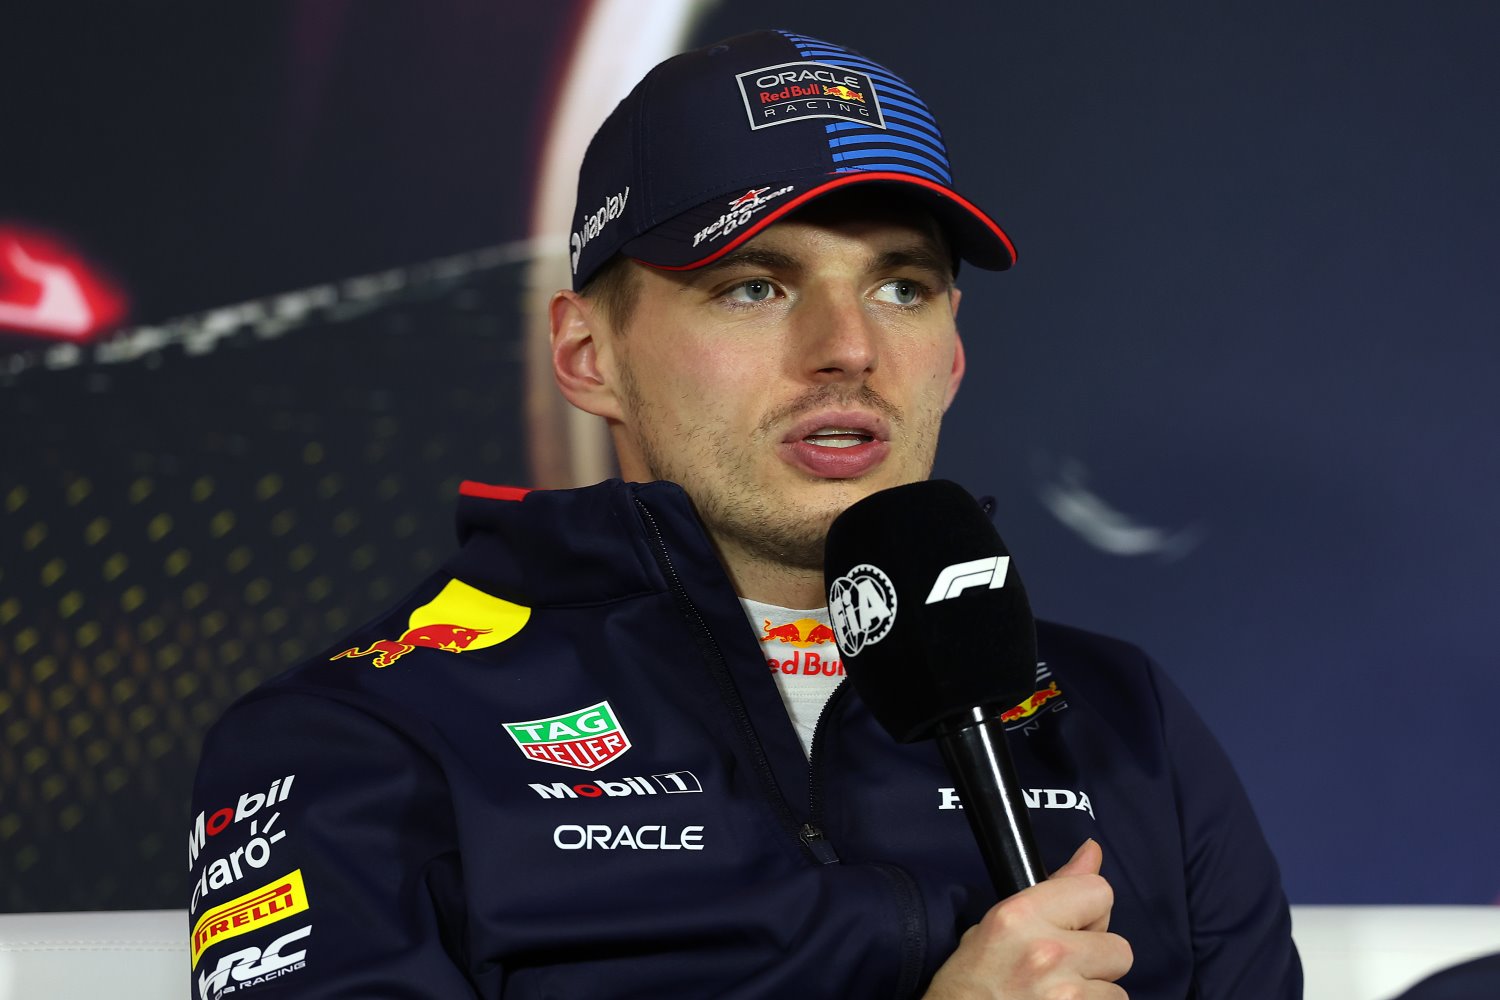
[(50, 291)]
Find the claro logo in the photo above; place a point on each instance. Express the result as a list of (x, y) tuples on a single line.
[(211, 824)]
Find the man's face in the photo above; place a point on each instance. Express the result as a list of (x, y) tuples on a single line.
[(807, 369)]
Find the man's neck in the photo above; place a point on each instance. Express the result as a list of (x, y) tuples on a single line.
[(759, 579)]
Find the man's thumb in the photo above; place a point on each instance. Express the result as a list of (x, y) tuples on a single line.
[(1085, 861)]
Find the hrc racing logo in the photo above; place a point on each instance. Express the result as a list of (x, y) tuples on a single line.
[(459, 618), (253, 966), (586, 739), (258, 908)]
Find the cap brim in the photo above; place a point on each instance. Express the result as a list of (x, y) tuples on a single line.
[(691, 239)]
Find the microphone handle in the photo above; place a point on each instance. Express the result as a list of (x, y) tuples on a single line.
[(979, 761)]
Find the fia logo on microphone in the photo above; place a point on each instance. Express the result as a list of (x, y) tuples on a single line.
[(862, 606)]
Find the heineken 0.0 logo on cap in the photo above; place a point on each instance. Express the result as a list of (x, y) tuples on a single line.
[(586, 739)]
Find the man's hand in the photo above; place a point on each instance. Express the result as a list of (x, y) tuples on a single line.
[(1050, 940)]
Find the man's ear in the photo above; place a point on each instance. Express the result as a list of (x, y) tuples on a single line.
[(579, 337), (957, 374)]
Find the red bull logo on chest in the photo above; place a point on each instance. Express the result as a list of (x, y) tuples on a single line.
[(459, 618), (801, 633), (585, 739)]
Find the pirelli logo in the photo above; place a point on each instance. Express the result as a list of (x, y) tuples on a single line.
[(256, 909)]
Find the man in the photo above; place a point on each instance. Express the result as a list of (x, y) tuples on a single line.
[(561, 767)]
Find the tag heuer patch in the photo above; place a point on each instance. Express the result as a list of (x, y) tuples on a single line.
[(586, 739), (788, 92)]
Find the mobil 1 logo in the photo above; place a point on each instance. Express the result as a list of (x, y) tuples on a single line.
[(670, 783)]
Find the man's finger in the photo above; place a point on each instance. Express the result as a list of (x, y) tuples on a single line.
[(1085, 861), (1104, 957)]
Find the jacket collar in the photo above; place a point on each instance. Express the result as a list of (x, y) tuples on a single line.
[(579, 546)]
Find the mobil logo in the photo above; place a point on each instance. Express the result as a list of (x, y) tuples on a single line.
[(211, 824), (670, 783)]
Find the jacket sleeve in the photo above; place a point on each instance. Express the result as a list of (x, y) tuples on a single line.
[(1241, 924), (321, 850)]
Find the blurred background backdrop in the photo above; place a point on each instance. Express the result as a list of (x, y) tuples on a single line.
[(269, 279)]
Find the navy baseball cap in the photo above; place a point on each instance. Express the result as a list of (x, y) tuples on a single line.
[(714, 145)]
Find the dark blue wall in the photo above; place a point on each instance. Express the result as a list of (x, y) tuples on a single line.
[(1255, 308)]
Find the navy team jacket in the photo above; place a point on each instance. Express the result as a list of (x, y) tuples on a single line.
[(560, 768)]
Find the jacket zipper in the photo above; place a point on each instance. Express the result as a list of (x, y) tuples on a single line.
[(807, 836), (908, 897), (812, 832)]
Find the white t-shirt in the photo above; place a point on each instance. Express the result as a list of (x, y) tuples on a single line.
[(803, 658)]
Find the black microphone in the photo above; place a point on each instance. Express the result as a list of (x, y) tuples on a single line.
[(938, 639)]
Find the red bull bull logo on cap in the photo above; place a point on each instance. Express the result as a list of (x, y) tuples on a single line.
[(844, 94), (459, 618)]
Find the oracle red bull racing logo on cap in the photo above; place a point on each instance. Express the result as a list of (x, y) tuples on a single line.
[(788, 92), (586, 739), (459, 618)]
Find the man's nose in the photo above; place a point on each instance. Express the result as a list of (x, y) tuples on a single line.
[(839, 337)]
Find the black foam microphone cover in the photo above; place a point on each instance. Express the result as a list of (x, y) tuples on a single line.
[(930, 617)]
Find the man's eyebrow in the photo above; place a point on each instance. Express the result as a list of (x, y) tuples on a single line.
[(757, 258), (922, 256)]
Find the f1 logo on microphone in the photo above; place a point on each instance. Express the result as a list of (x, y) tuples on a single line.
[(988, 572)]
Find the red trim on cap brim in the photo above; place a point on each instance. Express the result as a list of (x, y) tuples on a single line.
[(845, 179), (485, 491)]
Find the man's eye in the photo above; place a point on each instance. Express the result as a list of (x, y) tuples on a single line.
[(902, 293), (754, 290)]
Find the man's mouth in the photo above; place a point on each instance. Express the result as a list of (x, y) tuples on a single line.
[(837, 444), (838, 437)]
